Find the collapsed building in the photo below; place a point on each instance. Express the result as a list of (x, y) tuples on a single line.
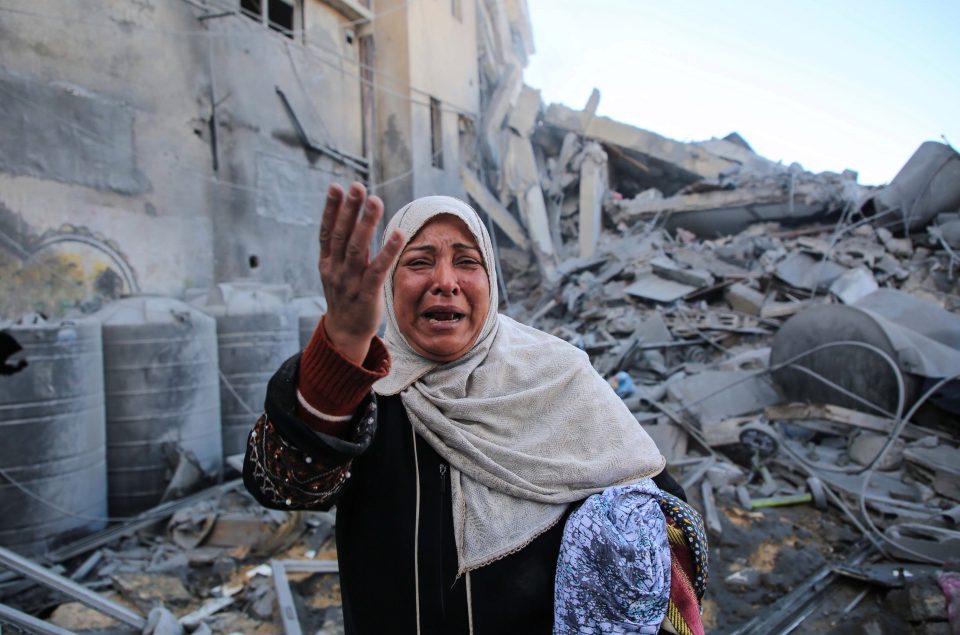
[(789, 339)]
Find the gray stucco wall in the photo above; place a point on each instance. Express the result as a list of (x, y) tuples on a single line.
[(114, 114)]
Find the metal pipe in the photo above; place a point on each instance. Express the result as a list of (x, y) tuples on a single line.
[(70, 588)]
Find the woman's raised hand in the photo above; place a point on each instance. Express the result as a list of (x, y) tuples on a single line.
[(352, 282)]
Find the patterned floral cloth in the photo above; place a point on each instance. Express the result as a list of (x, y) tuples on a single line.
[(613, 573)]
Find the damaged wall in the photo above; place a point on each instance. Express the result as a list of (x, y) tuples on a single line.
[(122, 174), (428, 97)]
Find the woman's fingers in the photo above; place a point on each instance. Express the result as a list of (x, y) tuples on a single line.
[(334, 200), (346, 220), (359, 246), (377, 271)]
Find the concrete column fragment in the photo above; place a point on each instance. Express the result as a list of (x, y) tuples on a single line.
[(534, 211), (492, 207), (593, 185), (522, 179), (504, 97)]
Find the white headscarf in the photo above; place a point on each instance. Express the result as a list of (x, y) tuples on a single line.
[(525, 422)]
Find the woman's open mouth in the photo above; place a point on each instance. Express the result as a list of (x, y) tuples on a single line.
[(443, 316)]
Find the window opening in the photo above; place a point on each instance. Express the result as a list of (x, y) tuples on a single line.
[(436, 134), (279, 15), (253, 9)]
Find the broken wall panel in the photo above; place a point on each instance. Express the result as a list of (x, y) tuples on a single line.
[(75, 137)]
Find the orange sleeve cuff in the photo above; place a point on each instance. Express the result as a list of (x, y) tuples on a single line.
[(331, 383)]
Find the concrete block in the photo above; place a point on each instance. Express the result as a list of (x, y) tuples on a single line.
[(744, 299), (863, 448)]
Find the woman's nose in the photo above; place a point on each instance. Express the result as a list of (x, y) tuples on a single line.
[(445, 280)]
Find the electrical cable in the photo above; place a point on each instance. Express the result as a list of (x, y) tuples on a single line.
[(68, 512), (870, 531), (866, 481)]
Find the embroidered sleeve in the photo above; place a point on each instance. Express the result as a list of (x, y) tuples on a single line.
[(293, 471)]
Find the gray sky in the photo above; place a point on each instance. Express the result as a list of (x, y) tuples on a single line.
[(829, 84)]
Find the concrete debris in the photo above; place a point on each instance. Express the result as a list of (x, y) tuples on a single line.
[(713, 208), (784, 336), (774, 328), (854, 285)]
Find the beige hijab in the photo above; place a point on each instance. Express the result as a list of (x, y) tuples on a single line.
[(524, 420)]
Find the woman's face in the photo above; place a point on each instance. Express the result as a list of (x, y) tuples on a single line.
[(441, 293)]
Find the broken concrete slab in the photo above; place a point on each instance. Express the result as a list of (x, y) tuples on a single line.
[(652, 287), (522, 179), (802, 271), (690, 163), (774, 310), (725, 211), (713, 396), (854, 285), (708, 261)]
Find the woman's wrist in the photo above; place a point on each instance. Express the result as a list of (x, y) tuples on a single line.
[(350, 346), (331, 381)]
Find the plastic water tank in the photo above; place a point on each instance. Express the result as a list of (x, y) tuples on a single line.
[(256, 332), (162, 396), (52, 422), (309, 311)]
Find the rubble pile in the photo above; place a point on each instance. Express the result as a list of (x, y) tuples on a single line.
[(789, 339), (216, 562)]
